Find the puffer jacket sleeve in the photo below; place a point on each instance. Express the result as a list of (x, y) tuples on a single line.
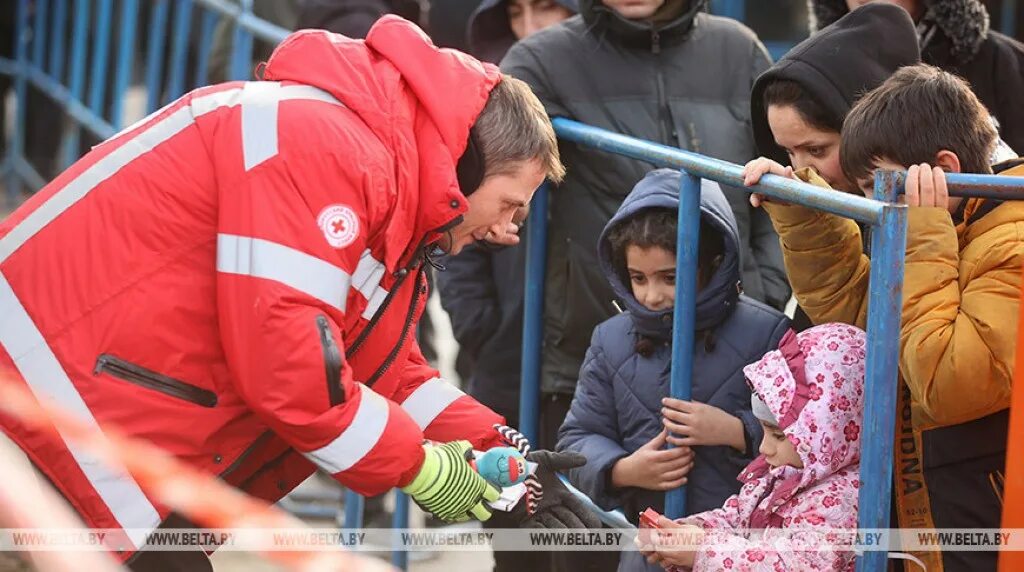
[(825, 262), (807, 543), (441, 410), (591, 429), (952, 340), (282, 291)]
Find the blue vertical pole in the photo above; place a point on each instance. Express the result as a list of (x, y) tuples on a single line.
[(57, 32), (78, 49), (179, 49), (155, 54), (399, 522), (735, 9), (353, 510), (685, 311), (241, 50), (209, 22), (125, 53), (39, 33), (100, 53), (17, 147), (885, 306), (533, 313), (1009, 17)]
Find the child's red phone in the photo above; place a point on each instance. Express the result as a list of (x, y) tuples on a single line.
[(649, 518), (648, 521)]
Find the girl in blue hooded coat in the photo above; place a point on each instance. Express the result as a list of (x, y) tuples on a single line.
[(621, 416)]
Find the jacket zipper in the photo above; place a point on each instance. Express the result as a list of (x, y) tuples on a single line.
[(332, 362), (668, 130), (409, 315), (402, 273), (138, 375)]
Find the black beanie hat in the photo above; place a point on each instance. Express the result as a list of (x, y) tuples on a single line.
[(839, 64), (470, 169)]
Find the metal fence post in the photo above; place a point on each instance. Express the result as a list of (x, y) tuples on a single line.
[(57, 24), (353, 509), (685, 311), (179, 50), (533, 316), (399, 522), (17, 147), (885, 306), (77, 82), (241, 51), (125, 56), (100, 51), (155, 54)]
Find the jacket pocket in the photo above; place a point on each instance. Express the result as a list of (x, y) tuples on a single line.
[(332, 362), (138, 375)]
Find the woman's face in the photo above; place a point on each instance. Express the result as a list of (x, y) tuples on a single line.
[(808, 146)]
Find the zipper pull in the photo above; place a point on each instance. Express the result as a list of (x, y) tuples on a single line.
[(655, 41)]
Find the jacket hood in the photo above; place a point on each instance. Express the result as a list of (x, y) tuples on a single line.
[(660, 189), (839, 64), (489, 34), (601, 18), (964, 22), (814, 386), (418, 99)]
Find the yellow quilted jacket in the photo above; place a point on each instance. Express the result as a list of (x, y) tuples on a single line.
[(960, 297)]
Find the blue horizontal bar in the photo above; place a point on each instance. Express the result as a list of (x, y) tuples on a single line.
[(973, 185), (789, 190), (60, 94), (260, 28)]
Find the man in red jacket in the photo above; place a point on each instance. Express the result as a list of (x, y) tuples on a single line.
[(237, 278)]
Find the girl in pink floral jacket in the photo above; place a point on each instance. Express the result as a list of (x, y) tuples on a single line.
[(809, 395)]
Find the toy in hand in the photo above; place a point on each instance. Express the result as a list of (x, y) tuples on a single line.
[(502, 466)]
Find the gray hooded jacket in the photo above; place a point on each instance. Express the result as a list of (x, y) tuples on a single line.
[(685, 83)]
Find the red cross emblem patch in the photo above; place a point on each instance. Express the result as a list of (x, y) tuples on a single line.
[(339, 224)]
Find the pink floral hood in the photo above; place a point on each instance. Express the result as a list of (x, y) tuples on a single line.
[(813, 384)]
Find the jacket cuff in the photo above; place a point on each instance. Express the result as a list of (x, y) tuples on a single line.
[(753, 432)]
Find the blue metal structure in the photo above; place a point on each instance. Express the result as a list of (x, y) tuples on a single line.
[(66, 53)]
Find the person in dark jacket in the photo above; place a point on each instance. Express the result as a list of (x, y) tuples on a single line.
[(655, 74), (353, 18), (618, 415), (954, 35), (482, 287), (497, 24)]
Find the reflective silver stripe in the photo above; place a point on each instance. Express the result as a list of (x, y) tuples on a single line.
[(272, 261), (259, 121), (429, 400), (358, 438), (48, 381), (307, 92), (369, 272), (103, 169)]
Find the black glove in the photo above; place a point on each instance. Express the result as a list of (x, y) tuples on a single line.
[(558, 507)]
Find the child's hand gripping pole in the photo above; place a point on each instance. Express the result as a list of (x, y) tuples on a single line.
[(448, 487)]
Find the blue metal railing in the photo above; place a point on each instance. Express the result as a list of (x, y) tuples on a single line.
[(58, 52), (889, 223)]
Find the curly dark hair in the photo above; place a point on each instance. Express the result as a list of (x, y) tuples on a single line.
[(657, 227)]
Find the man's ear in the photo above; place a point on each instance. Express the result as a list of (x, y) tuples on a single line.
[(948, 161)]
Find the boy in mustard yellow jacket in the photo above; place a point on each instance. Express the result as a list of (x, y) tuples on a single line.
[(960, 292)]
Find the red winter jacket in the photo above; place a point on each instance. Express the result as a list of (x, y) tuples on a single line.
[(238, 277)]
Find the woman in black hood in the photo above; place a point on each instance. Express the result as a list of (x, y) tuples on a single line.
[(954, 35), (798, 106)]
